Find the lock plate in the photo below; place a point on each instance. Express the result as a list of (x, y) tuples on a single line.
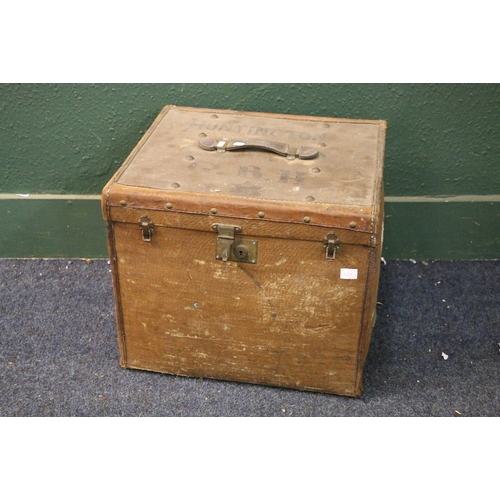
[(240, 251), (228, 247)]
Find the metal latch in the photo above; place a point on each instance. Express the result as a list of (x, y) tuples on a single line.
[(147, 228), (228, 247), (332, 244)]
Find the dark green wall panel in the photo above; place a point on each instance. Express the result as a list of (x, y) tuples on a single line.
[(51, 228), (442, 230), (443, 139)]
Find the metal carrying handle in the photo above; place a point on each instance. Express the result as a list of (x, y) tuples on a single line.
[(281, 148)]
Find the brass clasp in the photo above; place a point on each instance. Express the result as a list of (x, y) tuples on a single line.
[(332, 244), (147, 228)]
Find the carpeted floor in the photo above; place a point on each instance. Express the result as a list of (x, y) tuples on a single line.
[(435, 350)]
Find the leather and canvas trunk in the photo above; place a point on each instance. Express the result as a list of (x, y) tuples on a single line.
[(246, 247)]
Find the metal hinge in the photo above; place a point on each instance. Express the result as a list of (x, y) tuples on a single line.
[(147, 228), (332, 244), (228, 247)]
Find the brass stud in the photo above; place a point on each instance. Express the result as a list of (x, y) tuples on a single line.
[(307, 219), (213, 210), (189, 158), (123, 203), (310, 198), (261, 215), (353, 224), (169, 205), (315, 170), (176, 185)]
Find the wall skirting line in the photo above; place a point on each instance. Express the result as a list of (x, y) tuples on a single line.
[(10, 196), (444, 199)]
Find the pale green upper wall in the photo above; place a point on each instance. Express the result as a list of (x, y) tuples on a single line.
[(443, 139)]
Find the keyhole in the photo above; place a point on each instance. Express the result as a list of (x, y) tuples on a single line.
[(241, 252)]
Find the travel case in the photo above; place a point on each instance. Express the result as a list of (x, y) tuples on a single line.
[(246, 246)]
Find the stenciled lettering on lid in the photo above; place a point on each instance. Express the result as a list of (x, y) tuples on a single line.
[(295, 177), (249, 171), (256, 131)]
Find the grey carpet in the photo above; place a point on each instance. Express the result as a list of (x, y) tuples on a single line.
[(59, 357)]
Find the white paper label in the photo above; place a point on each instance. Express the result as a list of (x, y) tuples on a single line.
[(348, 274)]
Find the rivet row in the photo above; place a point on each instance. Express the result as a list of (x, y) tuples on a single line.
[(261, 214)]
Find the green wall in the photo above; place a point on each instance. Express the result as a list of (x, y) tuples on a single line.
[(442, 179)]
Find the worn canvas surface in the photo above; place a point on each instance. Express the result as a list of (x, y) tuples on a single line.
[(345, 170)]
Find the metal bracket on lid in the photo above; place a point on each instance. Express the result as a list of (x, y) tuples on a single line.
[(225, 240)]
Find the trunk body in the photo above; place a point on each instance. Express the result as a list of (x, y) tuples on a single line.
[(256, 264)]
